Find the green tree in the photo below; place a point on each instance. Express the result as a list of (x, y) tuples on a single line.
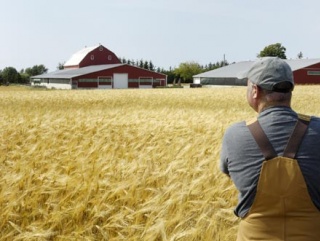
[(36, 70), (1, 80), (151, 66), (300, 55), (170, 74), (145, 65), (24, 78), (60, 66), (123, 60), (10, 75), (274, 50), (187, 70), (140, 63)]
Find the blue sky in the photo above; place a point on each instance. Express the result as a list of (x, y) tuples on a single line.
[(167, 32)]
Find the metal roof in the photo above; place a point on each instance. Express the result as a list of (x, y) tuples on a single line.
[(77, 57), (233, 70), (71, 73), (228, 71), (296, 64)]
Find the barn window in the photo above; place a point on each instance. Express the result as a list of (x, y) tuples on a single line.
[(105, 80), (109, 57), (101, 48), (87, 80), (313, 72), (59, 81), (145, 80), (92, 57)]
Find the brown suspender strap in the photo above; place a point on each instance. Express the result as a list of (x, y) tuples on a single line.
[(262, 140), (296, 138), (293, 143)]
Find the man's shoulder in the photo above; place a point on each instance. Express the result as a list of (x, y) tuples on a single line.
[(237, 124), (236, 128), (315, 120)]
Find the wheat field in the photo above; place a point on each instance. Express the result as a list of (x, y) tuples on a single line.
[(120, 164)]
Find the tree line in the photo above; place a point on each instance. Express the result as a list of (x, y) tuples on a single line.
[(10, 75), (182, 74)]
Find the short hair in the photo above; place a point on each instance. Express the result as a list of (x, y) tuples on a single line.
[(280, 95)]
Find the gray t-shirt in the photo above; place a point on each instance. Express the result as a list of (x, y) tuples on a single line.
[(242, 159)]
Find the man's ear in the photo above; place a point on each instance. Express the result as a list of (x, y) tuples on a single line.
[(255, 91)]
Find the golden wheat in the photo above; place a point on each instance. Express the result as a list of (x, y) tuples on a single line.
[(120, 164)]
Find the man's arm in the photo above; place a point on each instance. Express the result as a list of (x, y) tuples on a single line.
[(224, 156)]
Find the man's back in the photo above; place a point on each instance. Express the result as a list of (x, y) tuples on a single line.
[(242, 159)]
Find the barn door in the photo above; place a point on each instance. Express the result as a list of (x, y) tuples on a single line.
[(120, 81)]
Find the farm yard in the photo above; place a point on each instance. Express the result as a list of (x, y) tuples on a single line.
[(128, 164)]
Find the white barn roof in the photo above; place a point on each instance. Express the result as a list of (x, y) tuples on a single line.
[(232, 70), (77, 57)]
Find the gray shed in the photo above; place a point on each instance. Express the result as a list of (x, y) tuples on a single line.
[(305, 71)]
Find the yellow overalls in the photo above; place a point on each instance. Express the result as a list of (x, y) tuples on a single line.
[(282, 208)]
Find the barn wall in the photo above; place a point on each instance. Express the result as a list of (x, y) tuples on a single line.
[(196, 80), (135, 72), (137, 77), (53, 86), (223, 81), (98, 56), (132, 83), (309, 75)]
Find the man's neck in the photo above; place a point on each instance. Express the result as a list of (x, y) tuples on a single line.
[(264, 107)]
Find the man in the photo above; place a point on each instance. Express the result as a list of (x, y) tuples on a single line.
[(278, 180)]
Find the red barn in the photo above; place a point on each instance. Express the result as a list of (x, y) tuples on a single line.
[(306, 71), (98, 67)]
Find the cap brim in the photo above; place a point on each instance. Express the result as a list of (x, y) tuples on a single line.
[(242, 75)]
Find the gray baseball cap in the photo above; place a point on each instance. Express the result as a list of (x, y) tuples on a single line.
[(268, 73)]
